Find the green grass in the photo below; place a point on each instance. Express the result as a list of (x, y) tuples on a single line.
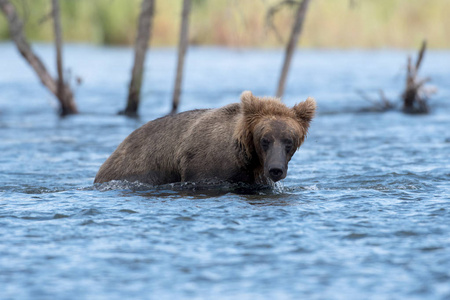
[(237, 23)]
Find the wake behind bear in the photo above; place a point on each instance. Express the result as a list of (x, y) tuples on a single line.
[(250, 142)]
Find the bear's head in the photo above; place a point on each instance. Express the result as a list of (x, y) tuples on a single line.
[(271, 132)]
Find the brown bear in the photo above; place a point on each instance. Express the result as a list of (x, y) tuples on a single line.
[(250, 142)]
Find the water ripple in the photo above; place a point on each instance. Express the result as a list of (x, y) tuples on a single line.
[(363, 213)]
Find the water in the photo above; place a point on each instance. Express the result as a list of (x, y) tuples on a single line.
[(363, 214)]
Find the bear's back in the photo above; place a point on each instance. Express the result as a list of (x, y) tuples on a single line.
[(148, 154)]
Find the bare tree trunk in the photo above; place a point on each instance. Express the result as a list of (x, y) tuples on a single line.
[(64, 93), (16, 31), (293, 40), (141, 45), (182, 48)]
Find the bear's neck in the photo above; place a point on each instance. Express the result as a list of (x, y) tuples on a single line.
[(250, 165)]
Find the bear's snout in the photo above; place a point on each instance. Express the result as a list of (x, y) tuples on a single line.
[(277, 173)]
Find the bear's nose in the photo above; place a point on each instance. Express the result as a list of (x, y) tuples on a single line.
[(275, 173)]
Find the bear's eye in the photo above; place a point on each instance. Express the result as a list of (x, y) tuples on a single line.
[(288, 145), (265, 143)]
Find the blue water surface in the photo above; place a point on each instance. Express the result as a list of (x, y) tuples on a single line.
[(363, 214)]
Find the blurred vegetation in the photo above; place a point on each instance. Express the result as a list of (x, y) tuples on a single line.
[(329, 23)]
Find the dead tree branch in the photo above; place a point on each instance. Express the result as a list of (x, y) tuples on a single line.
[(63, 91), (415, 96), (141, 46), (16, 31), (293, 40), (272, 11), (182, 48), (381, 105)]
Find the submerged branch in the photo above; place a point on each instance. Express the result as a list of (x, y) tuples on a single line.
[(381, 105), (415, 95)]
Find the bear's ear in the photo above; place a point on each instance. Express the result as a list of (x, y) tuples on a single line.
[(305, 111), (249, 103), (246, 96)]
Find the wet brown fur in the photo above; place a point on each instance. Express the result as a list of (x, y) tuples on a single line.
[(201, 145)]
